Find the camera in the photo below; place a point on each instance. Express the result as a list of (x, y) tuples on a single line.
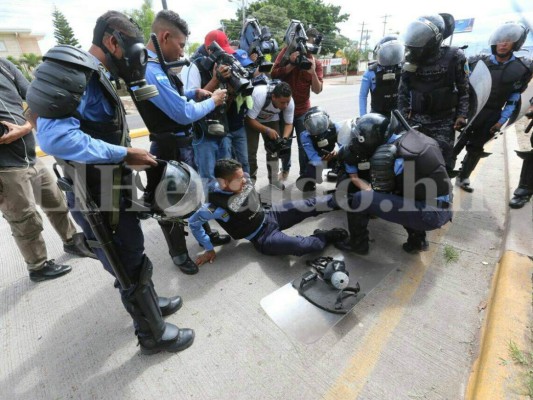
[(3, 129), (239, 76), (277, 147), (257, 40), (296, 40)]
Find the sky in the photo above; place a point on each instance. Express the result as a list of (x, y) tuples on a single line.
[(205, 15)]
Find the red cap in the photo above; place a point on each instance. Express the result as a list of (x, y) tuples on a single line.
[(221, 39)]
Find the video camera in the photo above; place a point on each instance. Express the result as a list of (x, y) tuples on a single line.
[(239, 79), (278, 147), (257, 40), (296, 40)]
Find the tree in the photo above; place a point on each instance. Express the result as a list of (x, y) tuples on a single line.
[(62, 30), (276, 14), (144, 17), (192, 47)]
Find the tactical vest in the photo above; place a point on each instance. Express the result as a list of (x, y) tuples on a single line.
[(328, 143), (160, 125), (115, 131), (506, 79), (433, 88), (246, 214), (419, 152), (384, 98)]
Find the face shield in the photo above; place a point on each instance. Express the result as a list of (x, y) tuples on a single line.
[(177, 189), (390, 53)]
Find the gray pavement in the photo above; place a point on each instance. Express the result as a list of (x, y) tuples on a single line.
[(413, 337)]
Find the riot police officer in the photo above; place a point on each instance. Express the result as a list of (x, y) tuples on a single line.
[(81, 119), (410, 185), (169, 116), (433, 90), (382, 78), (510, 77)]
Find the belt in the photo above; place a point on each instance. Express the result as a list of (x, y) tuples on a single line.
[(259, 232), (443, 204)]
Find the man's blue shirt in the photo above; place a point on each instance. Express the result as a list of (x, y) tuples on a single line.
[(169, 101), (368, 83), (204, 214), (64, 139)]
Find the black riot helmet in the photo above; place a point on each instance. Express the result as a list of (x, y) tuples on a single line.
[(509, 32), (174, 189), (371, 131), (449, 25), (132, 65), (423, 38), (316, 121), (389, 51)]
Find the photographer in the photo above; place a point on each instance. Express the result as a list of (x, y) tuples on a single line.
[(301, 81), (25, 182), (211, 141), (270, 101)]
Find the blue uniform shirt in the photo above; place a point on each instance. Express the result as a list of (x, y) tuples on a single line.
[(64, 139), (169, 101), (368, 83), (204, 214), (307, 144)]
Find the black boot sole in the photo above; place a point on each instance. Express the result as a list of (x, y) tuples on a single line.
[(150, 351)]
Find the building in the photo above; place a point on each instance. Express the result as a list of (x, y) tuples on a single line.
[(15, 42)]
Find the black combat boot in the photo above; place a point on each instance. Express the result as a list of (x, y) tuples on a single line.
[(468, 165), (416, 241), (154, 334), (78, 246), (331, 235), (525, 188), (359, 235)]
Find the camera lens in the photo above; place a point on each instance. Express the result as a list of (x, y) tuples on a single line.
[(3, 129)]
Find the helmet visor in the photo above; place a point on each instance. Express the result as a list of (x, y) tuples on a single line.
[(508, 33), (390, 53), (420, 32), (180, 191)]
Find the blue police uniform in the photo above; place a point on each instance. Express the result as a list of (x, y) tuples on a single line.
[(244, 218)]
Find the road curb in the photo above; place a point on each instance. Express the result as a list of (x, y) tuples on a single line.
[(508, 316), (509, 310), (134, 133)]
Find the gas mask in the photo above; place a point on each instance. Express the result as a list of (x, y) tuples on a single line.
[(132, 66)]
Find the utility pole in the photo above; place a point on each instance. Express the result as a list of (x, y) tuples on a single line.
[(361, 40), (164, 2), (366, 39), (385, 22)]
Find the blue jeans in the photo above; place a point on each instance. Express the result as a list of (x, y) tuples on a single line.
[(207, 150), (302, 156), (239, 144)]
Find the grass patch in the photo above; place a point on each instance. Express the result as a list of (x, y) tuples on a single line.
[(450, 254), (524, 359)]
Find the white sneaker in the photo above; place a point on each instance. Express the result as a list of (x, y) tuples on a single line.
[(464, 184)]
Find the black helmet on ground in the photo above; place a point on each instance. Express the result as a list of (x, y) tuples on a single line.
[(423, 38)]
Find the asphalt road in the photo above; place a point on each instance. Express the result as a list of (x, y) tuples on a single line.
[(415, 336)]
